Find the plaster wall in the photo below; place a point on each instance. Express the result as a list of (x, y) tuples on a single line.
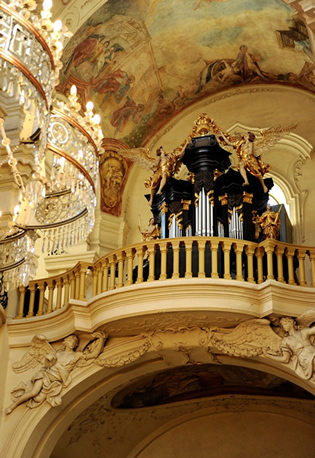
[(233, 434)]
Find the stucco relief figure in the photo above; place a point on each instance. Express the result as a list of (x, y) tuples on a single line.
[(151, 232), (286, 340), (57, 366), (249, 149), (163, 166), (113, 172), (247, 339), (297, 346)]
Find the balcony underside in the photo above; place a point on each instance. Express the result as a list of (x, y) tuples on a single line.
[(148, 306)]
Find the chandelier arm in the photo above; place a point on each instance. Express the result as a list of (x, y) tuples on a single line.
[(31, 28), (11, 160), (13, 237), (77, 164), (12, 266), (14, 61), (74, 123), (58, 224)]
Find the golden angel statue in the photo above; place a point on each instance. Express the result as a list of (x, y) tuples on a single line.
[(270, 223), (151, 232), (249, 149), (55, 373), (163, 166)]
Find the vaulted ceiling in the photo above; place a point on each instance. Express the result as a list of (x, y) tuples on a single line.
[(143, 62)]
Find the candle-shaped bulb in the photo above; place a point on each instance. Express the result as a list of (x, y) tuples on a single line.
[(57, 26), (89, 106), (47, 4), (96, 119)]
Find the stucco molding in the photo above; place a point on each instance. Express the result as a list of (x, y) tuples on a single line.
[(134, 310)]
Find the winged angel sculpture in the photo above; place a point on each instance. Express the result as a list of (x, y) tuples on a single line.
[(55, 374), (163, 165), (249, 149), (286, 340)]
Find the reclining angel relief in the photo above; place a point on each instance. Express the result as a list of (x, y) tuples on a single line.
[(285, 340), (55, 374)]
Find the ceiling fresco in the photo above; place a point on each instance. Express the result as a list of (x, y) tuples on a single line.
[(143, 61)]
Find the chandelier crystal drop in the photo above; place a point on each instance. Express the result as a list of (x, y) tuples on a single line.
[(55, 139)]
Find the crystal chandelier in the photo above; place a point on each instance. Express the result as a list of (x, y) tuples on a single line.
[(54, 161)]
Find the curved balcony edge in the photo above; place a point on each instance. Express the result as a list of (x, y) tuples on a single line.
[(156, 261), (165, 304)]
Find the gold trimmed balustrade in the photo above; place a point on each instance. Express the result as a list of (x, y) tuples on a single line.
[(169, 259)]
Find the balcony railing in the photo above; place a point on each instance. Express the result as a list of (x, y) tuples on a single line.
[(169, 259)]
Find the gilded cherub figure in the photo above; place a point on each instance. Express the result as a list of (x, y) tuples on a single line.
[(249, 149), (151, 232), (163, 166), (55, 374), (270, 223)]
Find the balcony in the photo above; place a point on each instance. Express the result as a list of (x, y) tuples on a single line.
[(167, 275)]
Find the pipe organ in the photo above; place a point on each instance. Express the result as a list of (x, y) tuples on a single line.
[(213, 201)]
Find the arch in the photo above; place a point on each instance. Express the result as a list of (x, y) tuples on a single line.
[(92, 385)]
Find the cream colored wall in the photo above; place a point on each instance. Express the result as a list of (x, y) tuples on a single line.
[(246, 434)]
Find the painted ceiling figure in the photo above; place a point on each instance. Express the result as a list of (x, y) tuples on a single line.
[(247, 64), (90, 48), (116, 83), (207, 1), (130, 111)]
